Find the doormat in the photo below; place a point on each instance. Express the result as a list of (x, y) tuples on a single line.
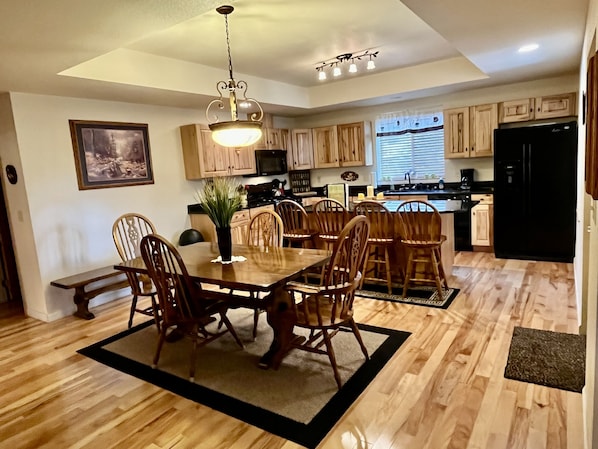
[(551, 359), (418, 296)]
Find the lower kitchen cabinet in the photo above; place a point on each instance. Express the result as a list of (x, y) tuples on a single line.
[(239, 225), (481, 225)]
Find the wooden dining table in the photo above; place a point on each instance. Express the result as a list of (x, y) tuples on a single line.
[(265, 270)]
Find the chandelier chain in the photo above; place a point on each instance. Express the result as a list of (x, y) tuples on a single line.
[(230, 61)]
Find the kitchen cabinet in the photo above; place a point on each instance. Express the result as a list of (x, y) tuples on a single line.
[(354, 144), (344, 145), (204, 158), (274, 139), (325, 144), (482, 217), (239, 226), (548, 106), (301, 153), (469, 131)]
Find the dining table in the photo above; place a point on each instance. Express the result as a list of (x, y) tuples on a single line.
[(260, 269)]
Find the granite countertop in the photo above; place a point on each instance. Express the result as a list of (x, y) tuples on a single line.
[(444, 206)]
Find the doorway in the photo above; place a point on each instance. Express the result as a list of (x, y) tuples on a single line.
[(10, 288)]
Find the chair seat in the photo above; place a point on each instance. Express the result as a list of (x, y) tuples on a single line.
[(381, 241), (299, 234)]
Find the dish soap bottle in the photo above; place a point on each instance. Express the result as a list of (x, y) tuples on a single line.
[(441, 184)]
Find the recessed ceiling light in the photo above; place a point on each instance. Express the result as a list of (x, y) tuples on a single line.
[(528, 48)]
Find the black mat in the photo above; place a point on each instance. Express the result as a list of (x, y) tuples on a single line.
[(419, 296), (307, 434), (552, 359)]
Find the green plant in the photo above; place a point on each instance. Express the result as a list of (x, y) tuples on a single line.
[(220, 199)]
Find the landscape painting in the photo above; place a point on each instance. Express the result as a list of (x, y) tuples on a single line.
[(111, 154)]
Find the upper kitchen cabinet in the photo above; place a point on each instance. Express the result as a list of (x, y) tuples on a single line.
[(344, 145), (300, 156), (469, 131), (549, 106), (483, 122), (354, 144), (204, 158), (325, 142), (274, 139)]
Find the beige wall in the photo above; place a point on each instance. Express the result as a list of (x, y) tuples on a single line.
[(484, 166), (60, 230), (586, 266)]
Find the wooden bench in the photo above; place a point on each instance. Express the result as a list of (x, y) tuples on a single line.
[(80, 281)]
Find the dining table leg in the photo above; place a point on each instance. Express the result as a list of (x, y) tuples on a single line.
[(281, 317)]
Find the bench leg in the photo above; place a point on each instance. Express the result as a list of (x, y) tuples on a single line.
[(82, 303)]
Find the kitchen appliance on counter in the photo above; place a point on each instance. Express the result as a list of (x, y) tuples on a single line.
[(535, 170), (467, 178)]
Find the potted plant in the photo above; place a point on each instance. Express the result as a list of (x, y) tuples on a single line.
[(220, 199)]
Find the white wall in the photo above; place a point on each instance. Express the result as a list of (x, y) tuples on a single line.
[(69, 229)]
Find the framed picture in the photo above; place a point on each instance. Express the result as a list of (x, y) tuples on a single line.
[(111, 154)]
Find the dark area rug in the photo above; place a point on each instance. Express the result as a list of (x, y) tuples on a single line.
[(552, 359), (419, 296), (299, 401)]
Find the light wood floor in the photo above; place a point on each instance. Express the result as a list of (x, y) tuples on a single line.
[(443, 389)]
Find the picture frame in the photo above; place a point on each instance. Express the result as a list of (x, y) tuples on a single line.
[(111, 154)]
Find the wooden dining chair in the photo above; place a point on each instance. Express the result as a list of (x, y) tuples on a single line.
[(297, 229), (182, 301), (331, 217), (127, 232), (421, 233), (324, 309), (266, 230), (377, 265)]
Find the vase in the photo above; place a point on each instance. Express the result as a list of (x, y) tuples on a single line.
[(225, 243)]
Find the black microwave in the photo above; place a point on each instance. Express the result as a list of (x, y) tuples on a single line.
[(270, 162)]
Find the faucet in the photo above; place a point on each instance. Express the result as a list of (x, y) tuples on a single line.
[(408, 178)]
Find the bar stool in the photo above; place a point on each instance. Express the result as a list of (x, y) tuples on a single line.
[(421, 234), (296, 224), (331, 217), (381, 239)]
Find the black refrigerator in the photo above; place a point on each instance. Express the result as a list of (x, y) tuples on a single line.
[(535, 175)]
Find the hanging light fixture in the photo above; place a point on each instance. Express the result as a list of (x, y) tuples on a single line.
[(234, 133), (337, 63)]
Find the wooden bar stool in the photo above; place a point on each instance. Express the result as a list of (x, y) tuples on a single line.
[(380, 241), (421, 234), (296, 224), (331, 217)]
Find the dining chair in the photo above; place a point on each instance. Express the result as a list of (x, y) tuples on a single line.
[(421, 233), (266, 230), (331, 217), (380, 242), (127, 232), (182, 301), (324, 309), (297, 229)]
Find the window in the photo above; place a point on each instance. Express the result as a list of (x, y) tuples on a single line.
[(409, 143)]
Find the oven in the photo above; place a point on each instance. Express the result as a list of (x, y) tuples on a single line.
[(462, 220)]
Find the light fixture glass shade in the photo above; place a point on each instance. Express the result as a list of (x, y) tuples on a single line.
[(352, 68), (336, 71), (321, 75), (239, 133), (371, 65)]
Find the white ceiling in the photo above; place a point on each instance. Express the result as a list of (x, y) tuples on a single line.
[(173, 53)]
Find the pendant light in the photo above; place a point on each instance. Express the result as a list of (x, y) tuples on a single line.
[(236, 132)]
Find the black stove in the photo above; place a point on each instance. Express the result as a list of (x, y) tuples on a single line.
[(268, 193)]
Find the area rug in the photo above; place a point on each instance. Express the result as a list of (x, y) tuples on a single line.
[(419, 296), (552, 359), (299, 401)]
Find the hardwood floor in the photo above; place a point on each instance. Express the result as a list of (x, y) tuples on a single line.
[(443, 389)]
